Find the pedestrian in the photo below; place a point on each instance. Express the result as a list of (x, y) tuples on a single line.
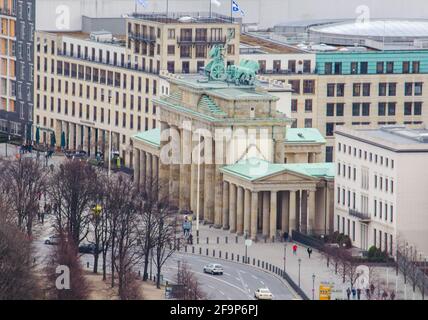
[(354, 293), (368, 293), (285, 236), (348, 293), (359, 294), (309, 252), (294, 249), (191, 239)]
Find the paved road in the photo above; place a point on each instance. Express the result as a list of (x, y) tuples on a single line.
[(238, 282)]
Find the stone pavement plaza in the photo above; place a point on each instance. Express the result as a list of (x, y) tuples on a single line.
[(316, 265)]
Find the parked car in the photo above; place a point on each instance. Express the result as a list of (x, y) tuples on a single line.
[(87, 248), (52, 240), (214, 268), (263, 294), (69, 153)]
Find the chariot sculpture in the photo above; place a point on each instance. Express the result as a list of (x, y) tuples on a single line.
[(242, 74)]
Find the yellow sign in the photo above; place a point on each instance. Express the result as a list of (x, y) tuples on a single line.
[(325, 292)]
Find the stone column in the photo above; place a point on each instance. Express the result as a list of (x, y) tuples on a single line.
[(247, 212), (185, 169), (194, 173), (292, 212), (330, 208), (143, 169), (163, 165), (218, 189), (240, 211), (226, 196), (266, 203), (284, 212), (311, 211), (155, 168), (72, 133), (232, 208), (149, 171), (304, 211), (279, 137), (78, 137), (86, 141), (137, 166), (273, 213), (254, 211), (209, 190), (174, 168)]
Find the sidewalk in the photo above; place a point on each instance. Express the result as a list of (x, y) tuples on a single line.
[(316, 265)]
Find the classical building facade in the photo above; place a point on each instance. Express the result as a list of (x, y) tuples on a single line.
[(229, 146), (91, 85)]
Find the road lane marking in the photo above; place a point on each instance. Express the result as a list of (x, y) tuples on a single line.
[(225, 282), (254, 277)]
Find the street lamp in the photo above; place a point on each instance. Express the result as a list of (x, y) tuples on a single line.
[(300, 261), (313, 286)]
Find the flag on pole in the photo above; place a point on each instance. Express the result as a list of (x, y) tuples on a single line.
[(216, 3), (144, 3), (236, 7)]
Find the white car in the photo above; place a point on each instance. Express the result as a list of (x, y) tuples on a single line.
[(214, 268), (52, 240), (263, 294)]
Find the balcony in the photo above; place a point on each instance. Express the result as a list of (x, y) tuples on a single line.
[(201, 40), (142, 37), (364, 217)]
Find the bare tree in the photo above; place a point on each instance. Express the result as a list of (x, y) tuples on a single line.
[(73, 189), (147, 228), (23, 182), (17, 279), (189, 286), (66, 254), (122, 206), (165, 235)]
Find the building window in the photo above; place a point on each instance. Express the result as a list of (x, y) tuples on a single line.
[(364, 67), (356, 90), (390, 67), (328, 68), (330, 110), (406, 66), (294, 105), (330, 89), (381, 109), (338, 68), (308, 123), (308, 105), (380, 67), (391, 108), (339, 109), (392, 89), (329, 128), (340, 89), (308, 86), (416, 67)]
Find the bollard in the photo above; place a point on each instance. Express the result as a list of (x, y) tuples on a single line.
[(185, 249), (226, 255), (207, 251), (237, 258), (197, 240), (200, 251), (258, 263), (219, 254), (231, 257), (218, 240), (213, 253), (254, 261), (193, 249), (263, 264), (236, 239), (208, 240), (225, 239)]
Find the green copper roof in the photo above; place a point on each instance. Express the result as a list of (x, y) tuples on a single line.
[(207, 104), (151, 137), (304, 135), (241, 94), (254, 169)]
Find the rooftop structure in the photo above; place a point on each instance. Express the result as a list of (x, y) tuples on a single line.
[(394, 138)]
